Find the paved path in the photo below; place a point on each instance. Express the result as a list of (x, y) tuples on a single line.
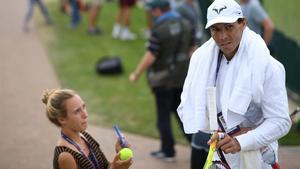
[(27, 138)]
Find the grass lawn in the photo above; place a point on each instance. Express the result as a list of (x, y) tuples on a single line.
[(285, 15), (113, 99)]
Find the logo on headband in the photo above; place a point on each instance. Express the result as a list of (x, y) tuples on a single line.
[(219, 10)]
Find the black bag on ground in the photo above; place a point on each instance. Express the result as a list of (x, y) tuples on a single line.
[(109, 66)]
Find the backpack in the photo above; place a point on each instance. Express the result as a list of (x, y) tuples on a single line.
[(109, 66)]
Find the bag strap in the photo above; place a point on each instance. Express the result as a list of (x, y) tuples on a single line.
[(220, 118)]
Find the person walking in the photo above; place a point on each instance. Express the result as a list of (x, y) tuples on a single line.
[(76, 148), (166, 61), (29, 14), (250, 90)]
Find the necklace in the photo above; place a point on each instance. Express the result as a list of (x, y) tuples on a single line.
[(94, 161)]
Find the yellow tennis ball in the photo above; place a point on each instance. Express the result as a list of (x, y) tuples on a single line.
[(126, 153)]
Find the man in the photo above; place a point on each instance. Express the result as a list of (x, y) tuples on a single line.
[(258, 19), (166, 61), (149, 17), (250, 89)]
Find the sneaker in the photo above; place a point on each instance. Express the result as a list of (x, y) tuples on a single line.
[(126, 34), (116, 31), (94, 31), (169, 159), (158, 154), (162, 156)]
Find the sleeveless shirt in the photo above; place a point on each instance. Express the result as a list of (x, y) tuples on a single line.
[(81, 160)]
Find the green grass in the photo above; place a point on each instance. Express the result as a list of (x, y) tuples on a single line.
[(285, 15), (113, 99)]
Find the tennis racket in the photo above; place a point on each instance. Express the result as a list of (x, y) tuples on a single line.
[(212, 149), (210, 164), (218, 165)]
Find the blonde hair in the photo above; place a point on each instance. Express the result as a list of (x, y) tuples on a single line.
[(54, 100)]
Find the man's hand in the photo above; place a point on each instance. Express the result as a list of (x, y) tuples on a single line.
[(229, 145), (133, 77)]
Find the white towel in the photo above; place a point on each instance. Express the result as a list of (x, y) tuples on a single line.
[(245, 76)]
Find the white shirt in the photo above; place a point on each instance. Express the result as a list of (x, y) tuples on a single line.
[(256, 140)]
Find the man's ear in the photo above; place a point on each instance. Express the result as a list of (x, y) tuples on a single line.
[(244, 22)]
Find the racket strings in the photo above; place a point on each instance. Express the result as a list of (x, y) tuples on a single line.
[(218, 165)]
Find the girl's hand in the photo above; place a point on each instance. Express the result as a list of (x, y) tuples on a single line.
[(118, 145), (120, 164)]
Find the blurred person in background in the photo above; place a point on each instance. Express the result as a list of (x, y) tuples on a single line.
[(74, 13), (258, 19), (64, 6), (199, 149), (94, 11), (149, 17), (188, 9), (121, 27), (29, 14), (76, 7)]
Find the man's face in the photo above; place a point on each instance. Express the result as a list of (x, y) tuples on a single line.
[(156, 12), (228, 36)]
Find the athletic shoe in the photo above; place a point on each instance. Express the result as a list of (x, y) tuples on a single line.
[(126, 34), (162, 156), (94, 31), (116, 31)]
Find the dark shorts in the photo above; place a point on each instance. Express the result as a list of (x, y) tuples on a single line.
[(129, 3)]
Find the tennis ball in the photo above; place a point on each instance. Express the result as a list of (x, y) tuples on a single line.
[(126, 153)]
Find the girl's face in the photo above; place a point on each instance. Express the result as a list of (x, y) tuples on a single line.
[(77, 115)]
